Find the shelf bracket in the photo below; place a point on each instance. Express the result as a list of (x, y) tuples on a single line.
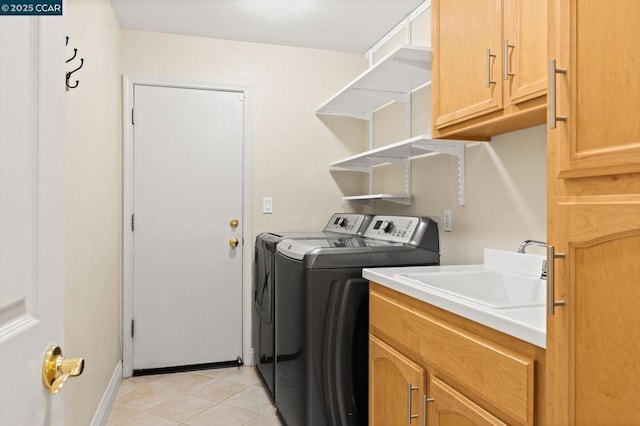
[(361, 169), (419, 64), (403, 201), (387, 95), (456, 148), (368, 199), (404, 25), (407, 176), (371, 145), (461, 199), (408, 112), (385, 160)]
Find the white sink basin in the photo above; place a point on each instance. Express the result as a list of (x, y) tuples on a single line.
[(493, 288), (504, 293)]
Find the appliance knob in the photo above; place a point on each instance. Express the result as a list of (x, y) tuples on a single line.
[(342, 222), (387, 227)]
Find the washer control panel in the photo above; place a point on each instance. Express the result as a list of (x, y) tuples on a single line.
[(347, 223), (399, 229)]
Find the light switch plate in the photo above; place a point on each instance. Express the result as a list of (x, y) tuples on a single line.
[(446, 221), (267, 205)]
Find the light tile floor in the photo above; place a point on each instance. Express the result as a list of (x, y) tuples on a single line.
[(229, 396)]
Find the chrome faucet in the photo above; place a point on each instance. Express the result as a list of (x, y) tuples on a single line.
[(527, 243)]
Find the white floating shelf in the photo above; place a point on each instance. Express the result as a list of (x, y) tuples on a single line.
[(396, 198), (399, 152), (396, 75)]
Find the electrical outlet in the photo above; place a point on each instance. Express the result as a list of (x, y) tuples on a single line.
[(446, 221), (267, 205)]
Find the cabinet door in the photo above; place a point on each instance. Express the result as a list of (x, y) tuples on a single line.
[(597, 43), (450, 408), (524, 59), (593, 366), (462, 30), (396, 386)]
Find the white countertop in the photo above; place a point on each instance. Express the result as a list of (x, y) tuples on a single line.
[(525, 323)]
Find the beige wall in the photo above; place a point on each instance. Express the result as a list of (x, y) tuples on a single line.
[(93, 207), (291, 146), (505, 179), (505, 195)]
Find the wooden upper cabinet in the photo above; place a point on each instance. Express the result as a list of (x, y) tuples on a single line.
[(599, 92), (393, 379), (462, 31), (524, 49), (489, 66)]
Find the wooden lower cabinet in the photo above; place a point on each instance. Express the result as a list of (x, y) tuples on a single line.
[(593, 374), (427, 361), (396, 386), (450, 408)]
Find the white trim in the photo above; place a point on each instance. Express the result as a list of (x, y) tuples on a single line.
[(247, 241), (127, 152), (106, 403), (35, 140), (127, 237)]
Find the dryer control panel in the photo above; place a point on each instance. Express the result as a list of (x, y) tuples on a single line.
[(348, 223), (399, 229)]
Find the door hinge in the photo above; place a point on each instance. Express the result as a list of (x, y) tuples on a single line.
[(133, 223), (132, 120), (132, 328)]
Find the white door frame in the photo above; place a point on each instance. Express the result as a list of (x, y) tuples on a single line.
[(129, 81)]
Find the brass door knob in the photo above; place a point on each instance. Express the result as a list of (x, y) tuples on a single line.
[(233, 242), (56, 369), (234, 223)]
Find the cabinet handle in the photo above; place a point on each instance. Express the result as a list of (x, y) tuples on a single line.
[(505, 63), (553, 70), (551, 301), (410, 417), (424, 408), (488, 81)]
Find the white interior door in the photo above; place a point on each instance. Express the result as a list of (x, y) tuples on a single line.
[(31, 214), (187, 279)]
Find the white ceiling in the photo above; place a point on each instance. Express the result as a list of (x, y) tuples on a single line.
[(347, 25)]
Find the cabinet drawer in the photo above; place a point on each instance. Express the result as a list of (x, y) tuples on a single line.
[(497, 374)]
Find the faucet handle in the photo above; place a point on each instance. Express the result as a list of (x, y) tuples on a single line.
[(543, 275)]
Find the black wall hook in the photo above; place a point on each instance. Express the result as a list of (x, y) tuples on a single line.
[(75, 52), (68, 74)]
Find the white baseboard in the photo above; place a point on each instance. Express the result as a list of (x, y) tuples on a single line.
[(104, 408)]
